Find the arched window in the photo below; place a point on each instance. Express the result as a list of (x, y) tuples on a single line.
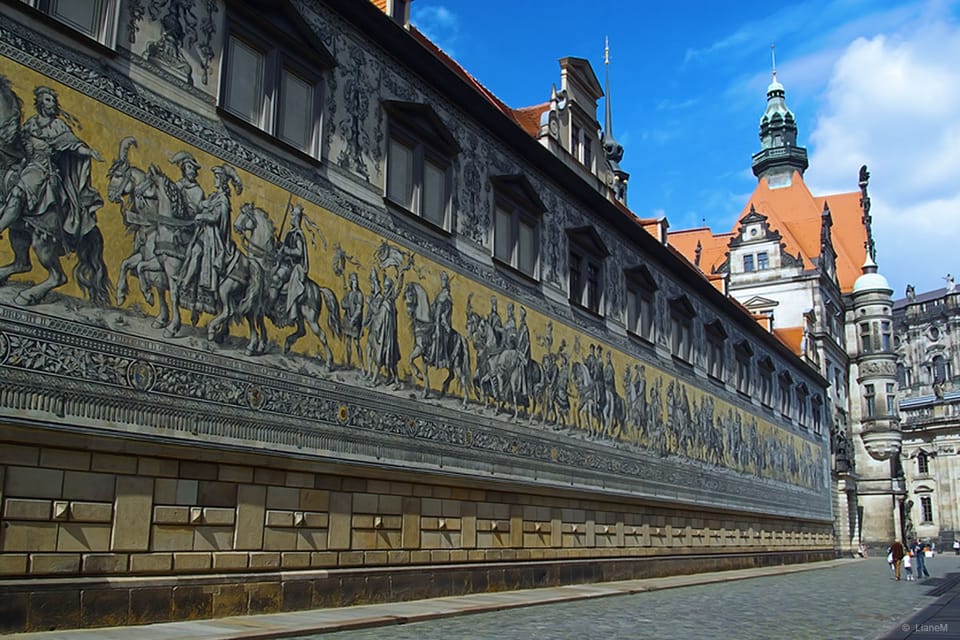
[(940, 369), (923, 463)]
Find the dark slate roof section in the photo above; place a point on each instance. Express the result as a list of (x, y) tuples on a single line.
[(936, 294)]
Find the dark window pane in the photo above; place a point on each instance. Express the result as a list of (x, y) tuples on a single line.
[(502, 240), (296, 111), (434, 194), (83, 15), (400, 174), (245, 81)]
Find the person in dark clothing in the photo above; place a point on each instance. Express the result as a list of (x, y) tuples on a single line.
[(921, 563), (897, 551)]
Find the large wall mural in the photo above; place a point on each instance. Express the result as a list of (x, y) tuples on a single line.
[(142, 230)]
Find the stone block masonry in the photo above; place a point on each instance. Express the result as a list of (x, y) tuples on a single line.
[(144, 532)]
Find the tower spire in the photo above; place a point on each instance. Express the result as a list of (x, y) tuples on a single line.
[(612, 149), (773, 60), (608, 120), (779, 155)]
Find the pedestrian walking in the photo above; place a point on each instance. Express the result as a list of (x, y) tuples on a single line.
[(908, 566), (896, 553), (956, 546), (918, 553)]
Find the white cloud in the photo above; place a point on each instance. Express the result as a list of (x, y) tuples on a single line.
[(439, 24), (893, 103)]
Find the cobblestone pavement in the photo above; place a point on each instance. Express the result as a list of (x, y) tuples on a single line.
[(855, 600)]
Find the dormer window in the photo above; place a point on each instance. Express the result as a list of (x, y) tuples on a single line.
[(802, 399), (268, 83), (766, 382), (420, 157), (743, 354), (587, 254), (399, 10), (816, 413), (95, 19), (681, 329), (785, 396), (716, 349), (641, 297), (517, 215)]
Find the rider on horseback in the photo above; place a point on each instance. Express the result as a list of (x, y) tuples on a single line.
[(191, 190), (53, 185), (211, 250), (291, 269)]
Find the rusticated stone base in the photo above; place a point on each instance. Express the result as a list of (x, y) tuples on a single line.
[(47, 604)]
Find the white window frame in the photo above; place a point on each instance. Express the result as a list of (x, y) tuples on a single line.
[(743, 357), (716, 344), (512, 198), (276, 61), (926, 510), (681, 330), (423, 155), (786, 399), (641, 300), (585, 255), (803, 397), (816, 413), (105, 20), (766, 382)]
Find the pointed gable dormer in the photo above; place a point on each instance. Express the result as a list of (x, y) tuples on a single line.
[(827, 261), (758, 248), (779, 155)]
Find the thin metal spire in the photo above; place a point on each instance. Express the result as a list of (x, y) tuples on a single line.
[(608, 121), (773, 59)]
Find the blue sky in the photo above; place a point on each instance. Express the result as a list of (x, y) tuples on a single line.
[(873, 83)]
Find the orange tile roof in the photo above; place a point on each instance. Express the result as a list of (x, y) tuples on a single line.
[(529, 118), (849, 236), (796, 214), (380, 4), (792, 337), (713, 248)]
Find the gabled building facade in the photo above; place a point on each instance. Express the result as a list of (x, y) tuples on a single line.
[(804, 266)]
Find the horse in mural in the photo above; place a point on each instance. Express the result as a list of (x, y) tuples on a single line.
[(154, 207), (240, 294), (587, 414), (498, 375), (457, 353), (261, 243), (497, 378), (46, 200), (127, 186)]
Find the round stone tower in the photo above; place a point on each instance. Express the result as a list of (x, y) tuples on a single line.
[(873, 379)]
